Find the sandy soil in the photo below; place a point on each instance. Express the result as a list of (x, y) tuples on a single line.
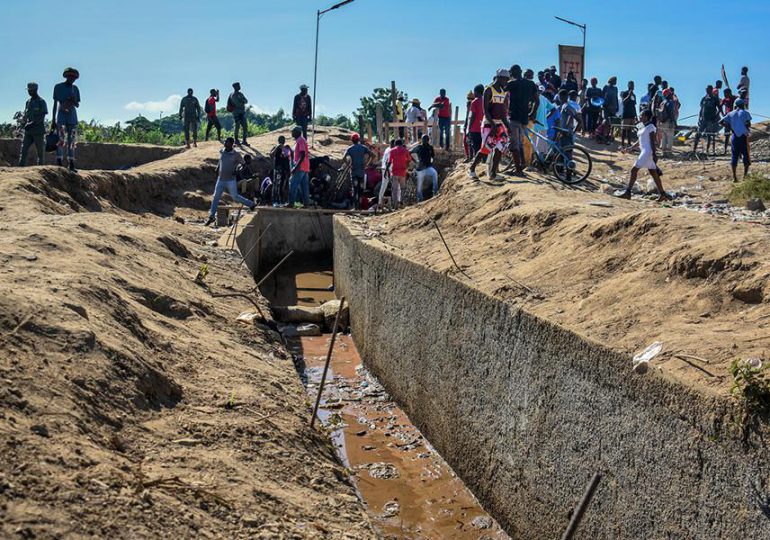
[(132, 404), (625, 273)]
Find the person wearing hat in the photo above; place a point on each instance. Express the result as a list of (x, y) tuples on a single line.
[(190, 114), (739, 122), (66, 100), (494, 127), (35, 111), (357, 153), (415, 114), (236, 104), (302, 111)]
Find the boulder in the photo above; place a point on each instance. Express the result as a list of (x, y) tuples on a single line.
[(755, 205), (329, 310), (298, 314)]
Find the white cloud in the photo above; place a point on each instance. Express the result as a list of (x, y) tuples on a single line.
[(170, 104)]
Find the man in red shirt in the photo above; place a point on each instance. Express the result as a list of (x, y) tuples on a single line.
[(399, 164), (444, 118), (300, 173), (211, 114), (474, 120)]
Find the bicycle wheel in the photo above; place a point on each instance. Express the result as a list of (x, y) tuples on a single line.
[(572, 165)]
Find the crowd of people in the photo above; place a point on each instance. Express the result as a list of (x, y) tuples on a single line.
[(519, 112)]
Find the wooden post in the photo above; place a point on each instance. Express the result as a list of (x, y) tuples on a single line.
[(386, 133), (424, 128), (369, 132), (361, 125), (380, 138), (393, 100)]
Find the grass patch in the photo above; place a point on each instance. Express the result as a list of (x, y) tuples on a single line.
[(754, 186)]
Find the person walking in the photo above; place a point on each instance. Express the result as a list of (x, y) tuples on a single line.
[(522, 99), (299, 185), (302, 110), (425, 156), (281, 156), (667, 118), (629, 118), (212, 120), (494, 127), (66, 100), (444, 107), (35, 111), (229, 160), (357, 153), (190, 114), (647, 158), (399, 165), (739, 122), (708, 120), (236, 104)]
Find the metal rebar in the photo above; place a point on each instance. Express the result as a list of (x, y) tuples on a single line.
[(447, 248), (326, 365), (270, 273), (577, 515), (256, 243)]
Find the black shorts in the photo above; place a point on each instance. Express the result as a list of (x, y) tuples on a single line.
[(475, 141)]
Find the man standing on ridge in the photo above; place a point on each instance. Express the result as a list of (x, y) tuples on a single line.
[(66, 100), (236, 104), (708, 120), (211, 114), (743, 86), (299, 185), (494, 128), (34, 125), (522, 102), (190, 114), (302, 110), (444, 118)]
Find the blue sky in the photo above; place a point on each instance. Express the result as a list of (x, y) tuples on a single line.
[(134, 56)]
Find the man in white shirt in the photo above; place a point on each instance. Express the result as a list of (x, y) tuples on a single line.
[(647, 157), (743, 84), (385, 174)]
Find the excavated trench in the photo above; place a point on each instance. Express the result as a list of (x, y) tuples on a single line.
[(406, 486)]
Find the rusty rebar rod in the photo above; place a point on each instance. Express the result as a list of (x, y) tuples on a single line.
[(256, 243), (261, 281), (328, 360), (577, 515)]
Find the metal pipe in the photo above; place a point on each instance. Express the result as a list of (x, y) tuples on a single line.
[(328, 360), (577, 515)]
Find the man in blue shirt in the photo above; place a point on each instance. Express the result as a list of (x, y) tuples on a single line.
[(739, 121), (66, 100), (357, 153)]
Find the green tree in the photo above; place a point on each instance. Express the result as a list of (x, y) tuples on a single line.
[(380, 96)]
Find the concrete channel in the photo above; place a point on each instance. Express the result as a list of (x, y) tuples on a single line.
[(525, 411)]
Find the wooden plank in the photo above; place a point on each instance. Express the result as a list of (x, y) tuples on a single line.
[(393, 98), (369, 132)]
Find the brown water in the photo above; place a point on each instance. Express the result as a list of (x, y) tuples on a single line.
[(408, 489)]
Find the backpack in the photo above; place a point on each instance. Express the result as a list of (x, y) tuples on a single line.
[(208, 106), (230, 104)]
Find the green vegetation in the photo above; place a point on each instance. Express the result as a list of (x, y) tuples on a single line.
[(168, 130), (380, 96), (754, 186), (751, 385)]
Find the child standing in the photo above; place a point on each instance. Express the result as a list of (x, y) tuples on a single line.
[(647, 158)]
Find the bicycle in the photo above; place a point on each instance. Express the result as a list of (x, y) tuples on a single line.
[(571, 164)]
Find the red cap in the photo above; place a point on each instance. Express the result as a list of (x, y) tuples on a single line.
[(355, 137), (667, 92)]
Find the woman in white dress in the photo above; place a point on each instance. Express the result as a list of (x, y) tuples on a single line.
[(647, 158)]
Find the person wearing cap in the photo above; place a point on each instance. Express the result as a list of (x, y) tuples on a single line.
[(357, 153), (415, 114), (494, 127), (211, 114), (302, 110), (739, 122), (66, 100), (236, 104), (190, 114), (444, 107), (229, 161), (35, 111), (667, 118)]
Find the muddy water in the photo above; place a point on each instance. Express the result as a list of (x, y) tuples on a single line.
[(408, 489)]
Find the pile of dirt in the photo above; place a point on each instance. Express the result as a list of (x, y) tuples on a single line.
[(625, 273), (132, 403)]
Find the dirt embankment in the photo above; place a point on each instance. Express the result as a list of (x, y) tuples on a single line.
[(624, 273), (132, 404)]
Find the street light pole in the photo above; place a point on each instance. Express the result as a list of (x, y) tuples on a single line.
[(583, 28), (315, 67)]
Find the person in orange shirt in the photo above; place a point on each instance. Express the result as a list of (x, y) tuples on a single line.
[(399, 164)]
